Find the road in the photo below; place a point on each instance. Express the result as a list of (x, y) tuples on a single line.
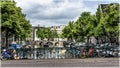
[(87, 62)]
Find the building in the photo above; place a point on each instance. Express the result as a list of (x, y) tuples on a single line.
[(34, 29), (58, 28), (59, 31), (102, 6), (33, 34)]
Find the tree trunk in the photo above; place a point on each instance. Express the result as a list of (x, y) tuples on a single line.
[(20, 39), (97, 40), (15, 38), (87, 39), (6, 39)]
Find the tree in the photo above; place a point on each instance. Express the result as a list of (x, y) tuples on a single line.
[(104, 25), (79, 34), (81, 28), (13, 21), (112, 17), (40, 33), (27, 27), (108, 20), (84, 26), (69, 31), (54, 34), (44, 32), (87, 22)]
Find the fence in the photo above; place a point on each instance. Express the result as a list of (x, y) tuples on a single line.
[(42, 53), (65, 53)]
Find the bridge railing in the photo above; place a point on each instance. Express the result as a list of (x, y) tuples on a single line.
[(65, 53), (41, 53)]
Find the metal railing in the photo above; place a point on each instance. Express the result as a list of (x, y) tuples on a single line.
[(41, 53), (66, 52), (62, 53)]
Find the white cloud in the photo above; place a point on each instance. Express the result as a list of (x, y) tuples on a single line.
[(52, 12), (28, 3)]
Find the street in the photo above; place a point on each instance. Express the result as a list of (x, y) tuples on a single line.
[(85, 62)]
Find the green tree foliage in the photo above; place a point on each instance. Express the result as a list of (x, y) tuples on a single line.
[(69, 31), (44, 32), (108, 28), (87, 23), (40, 33), (81, 28), (103, 25), (54, 33), (13, 21), (111, 15)]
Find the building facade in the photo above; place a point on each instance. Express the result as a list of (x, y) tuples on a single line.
[(59, 32), (34, 36), (103, 6)]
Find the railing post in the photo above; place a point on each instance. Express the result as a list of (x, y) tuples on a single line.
[(32, 53), (35, 52)]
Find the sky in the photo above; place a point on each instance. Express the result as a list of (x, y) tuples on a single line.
[(57, 12)]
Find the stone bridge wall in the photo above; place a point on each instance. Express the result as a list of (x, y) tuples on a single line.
[(54, 43)]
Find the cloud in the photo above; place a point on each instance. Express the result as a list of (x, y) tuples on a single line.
[(54, 12)]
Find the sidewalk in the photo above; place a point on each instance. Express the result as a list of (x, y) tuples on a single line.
[(89, 62)]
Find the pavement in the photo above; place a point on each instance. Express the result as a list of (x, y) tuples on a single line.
[(85, 62)]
